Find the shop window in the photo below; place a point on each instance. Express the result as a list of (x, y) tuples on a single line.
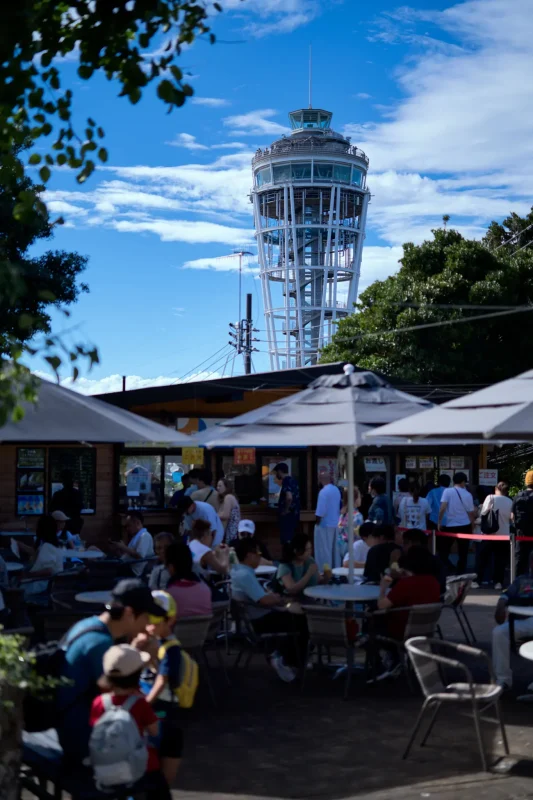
[(140, 484), (243, 477), (174, 471), (80, 463)]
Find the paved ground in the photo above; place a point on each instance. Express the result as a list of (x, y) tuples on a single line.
[(267, 741)]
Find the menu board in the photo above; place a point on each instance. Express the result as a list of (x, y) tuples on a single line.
[(30, 481)]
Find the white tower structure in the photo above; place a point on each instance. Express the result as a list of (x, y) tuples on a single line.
[(310, 203)]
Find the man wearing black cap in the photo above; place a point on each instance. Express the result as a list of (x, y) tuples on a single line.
[(288, 504), (126, 616)]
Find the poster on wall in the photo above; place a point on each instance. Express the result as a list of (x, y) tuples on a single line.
[(426, 462), (138, 481), (30, 504), (327, 465), (375, 464), (488, 477), (244, 455), (410, 462), (444, 462), (457, 462)]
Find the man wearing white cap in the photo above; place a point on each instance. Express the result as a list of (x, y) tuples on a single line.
[(64, 537)]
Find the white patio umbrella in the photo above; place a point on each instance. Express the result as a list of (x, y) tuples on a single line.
[(61, 415), (333, 410), (502, 413)]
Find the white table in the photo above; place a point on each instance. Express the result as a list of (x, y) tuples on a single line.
[(358, 593), (14, 566), (17, 533), (96, 598), (264, 569), (526, 651), (342, 572), (84, 554), (520, 611)]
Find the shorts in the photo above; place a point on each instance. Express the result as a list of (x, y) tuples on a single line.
[(169, 742)]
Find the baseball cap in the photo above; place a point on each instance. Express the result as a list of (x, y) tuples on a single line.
[(166, 604), (59, 516), (246, 526), (134, 593), (122, 660)]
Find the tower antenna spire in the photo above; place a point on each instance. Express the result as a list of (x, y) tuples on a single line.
[(310, 75)]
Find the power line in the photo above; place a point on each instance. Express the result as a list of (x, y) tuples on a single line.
[(182, 378)]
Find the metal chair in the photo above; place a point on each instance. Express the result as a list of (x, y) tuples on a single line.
[(431, 659), (192, 633), (257, 641), (327, 628), (457, 589), (220, 611)]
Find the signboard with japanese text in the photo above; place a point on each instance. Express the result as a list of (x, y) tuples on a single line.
[(457, 462), (410, 462), (193, 455), (375, 464), (444, 462), (426, 462), (488, 477), (244, 455)]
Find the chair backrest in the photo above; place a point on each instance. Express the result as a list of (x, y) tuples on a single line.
[(67, 581), (327, 626), (219, 610), (192, 631), (457, 589), (423, 620), (421, 651)]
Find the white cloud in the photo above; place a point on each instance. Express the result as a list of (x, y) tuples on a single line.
[(378, 263), (256, 123), (188, 141), (113, 383), (181, 230), (274, 16), (229, 263), (363, 96), (211, 102)]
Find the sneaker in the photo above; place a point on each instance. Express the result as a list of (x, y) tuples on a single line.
[(285, 673), (498, 587)]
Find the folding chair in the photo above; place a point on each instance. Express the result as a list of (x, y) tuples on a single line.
[(431, 659), (457, 589), (192, 633)]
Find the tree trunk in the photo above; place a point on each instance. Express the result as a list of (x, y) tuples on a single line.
[(10, 741)]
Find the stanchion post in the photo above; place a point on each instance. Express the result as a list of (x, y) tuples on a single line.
[(434, 542), (512, 549)]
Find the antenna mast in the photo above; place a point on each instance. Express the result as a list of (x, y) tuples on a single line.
[(310, 75)]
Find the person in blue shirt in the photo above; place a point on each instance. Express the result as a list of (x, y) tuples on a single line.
[(381, 511), (186, 490), (288, 504), (125, 617), (434, 498)]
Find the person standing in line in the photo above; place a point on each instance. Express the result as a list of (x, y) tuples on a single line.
[(414, 510), (327, 517), (434, 498), (523, 520), (502, 506), (458, 504), (288, 504), (403, 491), (381, 511), (205, 492), (229, 510)]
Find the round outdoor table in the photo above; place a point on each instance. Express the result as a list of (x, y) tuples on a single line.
[(526, 651), (95, 598), (512, 612), (84, 554), (264, 569), (14, 566), (342, 572), (17, 533), (358, 593)]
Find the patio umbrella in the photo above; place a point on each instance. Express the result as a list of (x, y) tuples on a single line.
[(333, 410), (61, 415), (502, 413)]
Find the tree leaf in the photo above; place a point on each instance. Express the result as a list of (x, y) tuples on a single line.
[(44, 174)]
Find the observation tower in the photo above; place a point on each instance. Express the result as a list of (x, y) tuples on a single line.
[(310, 203)]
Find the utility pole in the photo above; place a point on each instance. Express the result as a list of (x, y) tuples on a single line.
[(241, 336)]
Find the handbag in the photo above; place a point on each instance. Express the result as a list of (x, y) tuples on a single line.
[(490, 522)]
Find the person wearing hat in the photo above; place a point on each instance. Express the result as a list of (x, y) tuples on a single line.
[(523, 520), (125, 617), (289, 502), (246, 529), (64, 537)]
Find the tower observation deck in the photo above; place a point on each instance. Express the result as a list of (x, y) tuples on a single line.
[(310, 203)]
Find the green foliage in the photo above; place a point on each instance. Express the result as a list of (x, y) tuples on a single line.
[(17, 669), (29, 288), (434, 278)]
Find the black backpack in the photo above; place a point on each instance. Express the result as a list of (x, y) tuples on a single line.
[(523, 512), (490, 522), (40, 709)]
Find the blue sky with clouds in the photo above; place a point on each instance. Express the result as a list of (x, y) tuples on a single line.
[(439, 96)]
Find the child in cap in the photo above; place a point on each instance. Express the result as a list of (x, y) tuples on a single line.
[(123, 665), (167, 678)]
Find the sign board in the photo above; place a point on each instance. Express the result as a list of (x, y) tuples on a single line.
[(328, 465), (192, 455), (444, 462), (138, 481), (488, 477), (375, 464), (426, 462), (457, 462), (410, 462), (244, 455)]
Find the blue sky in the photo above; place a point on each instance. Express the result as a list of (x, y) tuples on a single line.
[(439, 96)]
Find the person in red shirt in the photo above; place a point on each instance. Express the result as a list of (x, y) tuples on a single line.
[(417, 585), (123, 665)]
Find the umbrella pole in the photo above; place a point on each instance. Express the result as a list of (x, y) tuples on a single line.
[(350, 454)]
